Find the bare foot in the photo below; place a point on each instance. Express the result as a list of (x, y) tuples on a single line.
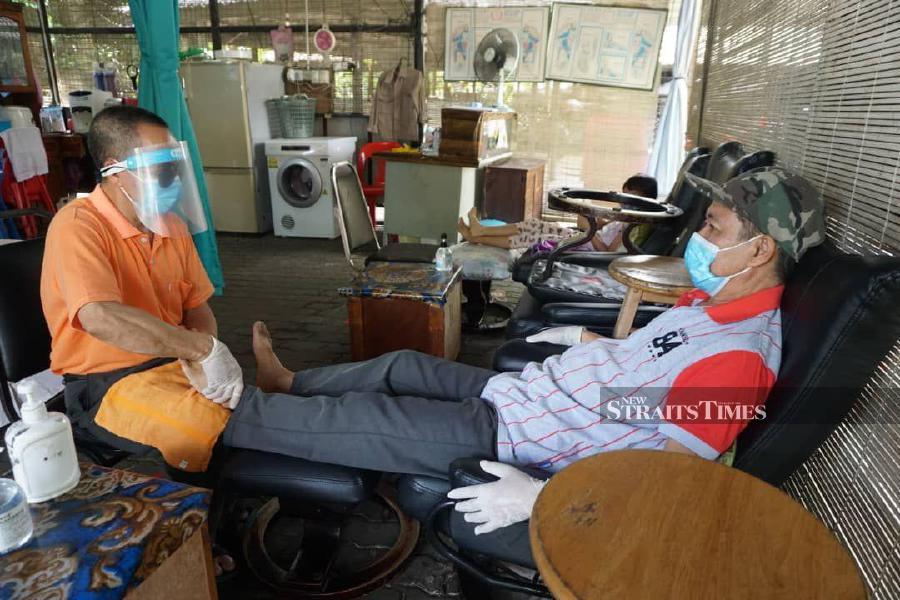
[(475, 225), (463, 230), (271, 375)]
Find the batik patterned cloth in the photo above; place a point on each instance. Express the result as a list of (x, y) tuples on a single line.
[(412, 281), (103, 538), (536, 231)]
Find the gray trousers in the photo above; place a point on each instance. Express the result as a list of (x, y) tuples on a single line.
[(403, 412)]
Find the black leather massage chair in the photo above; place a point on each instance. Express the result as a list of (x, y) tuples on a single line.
[(839, 320), (542, 306)]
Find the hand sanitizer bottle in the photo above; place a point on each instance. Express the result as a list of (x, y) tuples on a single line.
[(41, 449), (16, 526), (443, 260)]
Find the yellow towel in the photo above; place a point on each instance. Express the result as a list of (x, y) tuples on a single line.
[(159, 408)]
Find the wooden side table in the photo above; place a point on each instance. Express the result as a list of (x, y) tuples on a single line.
[(651, 524), (116, 535), (514, 190), (661, 279), (404, 306)]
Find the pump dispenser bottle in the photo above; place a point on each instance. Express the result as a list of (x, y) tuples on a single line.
[(443, 260), (41, 449)]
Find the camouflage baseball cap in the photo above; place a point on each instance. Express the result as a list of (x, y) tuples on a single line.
[(781, 204)]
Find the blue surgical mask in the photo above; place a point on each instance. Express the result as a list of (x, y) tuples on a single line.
[(156, 199), (165, 197), (699, 256)]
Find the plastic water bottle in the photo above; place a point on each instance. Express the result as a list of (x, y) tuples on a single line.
[(16, 527), (443, 260)]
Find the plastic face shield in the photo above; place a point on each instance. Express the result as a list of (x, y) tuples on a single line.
[(164, 189)]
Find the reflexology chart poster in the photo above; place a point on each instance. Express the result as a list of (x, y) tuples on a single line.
[(466, 27), (605, 45)]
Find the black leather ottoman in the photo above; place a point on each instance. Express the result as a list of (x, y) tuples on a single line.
[(322, 495)]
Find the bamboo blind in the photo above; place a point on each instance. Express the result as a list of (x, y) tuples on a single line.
[(818, 82)]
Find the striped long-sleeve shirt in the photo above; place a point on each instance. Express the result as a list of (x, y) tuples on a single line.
[(696, 374)]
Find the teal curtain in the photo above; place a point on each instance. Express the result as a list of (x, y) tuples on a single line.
[(156, 23)]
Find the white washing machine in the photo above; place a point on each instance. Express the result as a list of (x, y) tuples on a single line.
[(300, 184)]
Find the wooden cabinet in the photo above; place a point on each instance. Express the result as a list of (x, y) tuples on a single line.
[(16, 75), (15, 59), (477, 136), (514, 190)]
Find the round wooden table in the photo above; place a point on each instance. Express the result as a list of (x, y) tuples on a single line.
[(661, 279), (651, 524)]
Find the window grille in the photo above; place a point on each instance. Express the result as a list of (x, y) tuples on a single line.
[(83, 32)]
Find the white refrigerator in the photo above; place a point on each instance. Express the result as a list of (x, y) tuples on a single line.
[(226, 100)]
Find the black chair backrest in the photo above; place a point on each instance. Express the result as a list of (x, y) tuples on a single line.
[(748, 162), (698, 151), (839, 321), (729, 161), (723, 160), (665, 238), (24, 337)]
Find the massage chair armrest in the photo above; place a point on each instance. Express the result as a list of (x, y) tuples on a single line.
[(468, 471), (513, 355), (509, 544), (599, 316), (521, 270), (590, 259)]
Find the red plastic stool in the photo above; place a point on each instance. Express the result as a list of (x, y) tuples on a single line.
[(375, 190), (24, 194)]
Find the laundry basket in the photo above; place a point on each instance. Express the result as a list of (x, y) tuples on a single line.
[(273, 112), (298, 116)]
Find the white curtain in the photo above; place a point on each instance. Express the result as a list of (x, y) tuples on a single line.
[(668, 147)]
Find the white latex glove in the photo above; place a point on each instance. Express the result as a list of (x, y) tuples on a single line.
[(224, 379), (498, 503), (566, 336)]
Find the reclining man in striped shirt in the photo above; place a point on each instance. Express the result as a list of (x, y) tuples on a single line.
[(689, 382)]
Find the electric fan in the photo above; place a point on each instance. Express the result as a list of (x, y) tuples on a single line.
[(496, 59)]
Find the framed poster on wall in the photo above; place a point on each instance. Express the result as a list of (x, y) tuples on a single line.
[(605, 45), (465, 28)]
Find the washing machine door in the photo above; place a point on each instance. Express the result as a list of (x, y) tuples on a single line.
[(299, 182)]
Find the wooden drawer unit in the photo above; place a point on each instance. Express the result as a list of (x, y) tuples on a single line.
[(514, 190)]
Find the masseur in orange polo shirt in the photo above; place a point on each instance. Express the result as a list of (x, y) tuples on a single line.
[(122, 285)]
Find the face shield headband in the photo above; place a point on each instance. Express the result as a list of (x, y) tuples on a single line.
[(167, 201)]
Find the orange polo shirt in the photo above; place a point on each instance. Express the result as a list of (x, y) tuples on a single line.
[(93, 254)]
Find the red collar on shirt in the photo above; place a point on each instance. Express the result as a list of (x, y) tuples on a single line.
[(736, 310)]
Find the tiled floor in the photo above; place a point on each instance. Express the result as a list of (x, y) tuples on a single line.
[(291, 285)]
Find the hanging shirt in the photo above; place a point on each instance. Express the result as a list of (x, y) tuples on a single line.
[(93, 254), (696, 374), (398, 106)]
